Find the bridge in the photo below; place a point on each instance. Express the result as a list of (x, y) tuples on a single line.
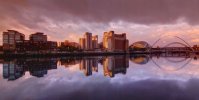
[(182, 47)]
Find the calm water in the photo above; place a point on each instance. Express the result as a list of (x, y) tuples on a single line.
[(137, 77)]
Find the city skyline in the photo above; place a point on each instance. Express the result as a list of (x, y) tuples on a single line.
[(157, 18), (15, 41), (99, 49)]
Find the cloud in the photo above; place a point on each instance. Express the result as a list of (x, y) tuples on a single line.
[(149, 89), (62, 18), (32, 12), (195, 40), (138, 11)]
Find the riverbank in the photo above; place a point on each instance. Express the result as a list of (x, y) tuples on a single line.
[(60, 54), (77, 54)]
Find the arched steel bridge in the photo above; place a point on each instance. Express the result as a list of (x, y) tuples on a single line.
[(183, 43), (186, 47)]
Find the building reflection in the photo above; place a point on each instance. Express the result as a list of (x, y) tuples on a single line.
[(38, 67), (15, 69), (12, 71), (69, 61), (115, 65), (140, 59), (89, 65)]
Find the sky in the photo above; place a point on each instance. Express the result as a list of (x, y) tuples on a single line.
[(141, 20)]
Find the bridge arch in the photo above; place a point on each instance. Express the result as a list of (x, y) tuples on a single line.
[(183, 43), (175, 43)]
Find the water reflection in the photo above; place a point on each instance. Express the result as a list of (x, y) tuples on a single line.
[(88, 66), (165, 61), (115, 65), (38, 67), (113, 77), (112, 65), (140, 59)]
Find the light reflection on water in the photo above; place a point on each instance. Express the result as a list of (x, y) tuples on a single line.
[(142, 77)]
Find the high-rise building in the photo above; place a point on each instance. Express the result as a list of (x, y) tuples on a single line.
[(115, 42), (88, 41), (38, 37), (82, 43), (10, 38), (95, 42)]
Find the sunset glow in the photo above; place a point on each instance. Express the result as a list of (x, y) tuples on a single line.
[(61, 21)]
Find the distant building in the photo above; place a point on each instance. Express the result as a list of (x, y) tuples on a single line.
[(115, 42), (10, 38), (14, 41), (101, 45), (51, 45), (38, 37), (88, 41), (95, 42), (140, 46), (27, 45), (1, 48), (196, 47), (38, 42), (82, 43), (68, 43), (24, 46)]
